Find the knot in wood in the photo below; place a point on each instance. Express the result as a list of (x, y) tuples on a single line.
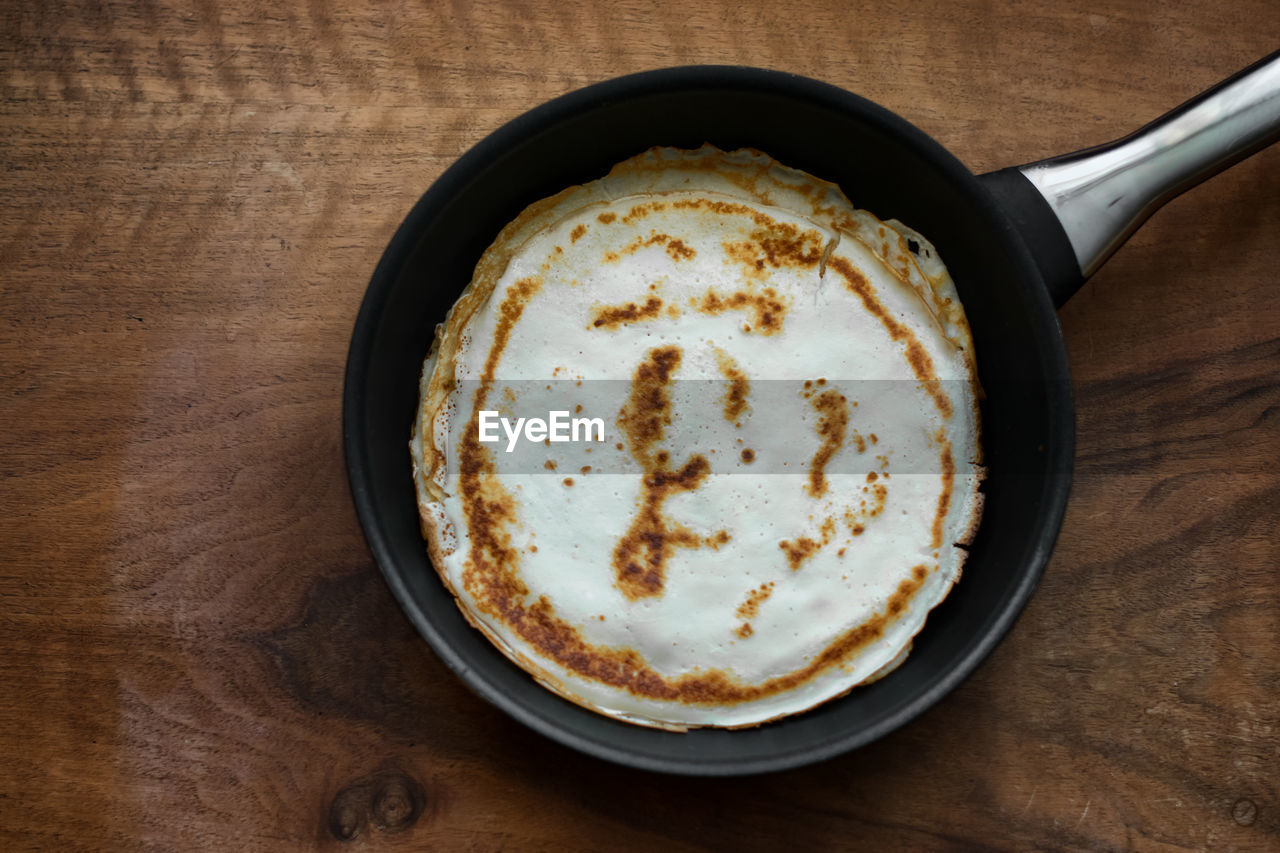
[(348, 814), (391, 801), (1244, 812), (394, 807)]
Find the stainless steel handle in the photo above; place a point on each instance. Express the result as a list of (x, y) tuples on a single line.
[(1101, 195)]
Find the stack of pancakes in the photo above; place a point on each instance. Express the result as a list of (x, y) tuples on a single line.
[(791, 461)]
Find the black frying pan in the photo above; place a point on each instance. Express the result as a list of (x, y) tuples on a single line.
[(1018, 243)]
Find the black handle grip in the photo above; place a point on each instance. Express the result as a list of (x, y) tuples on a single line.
[(1040, 230)]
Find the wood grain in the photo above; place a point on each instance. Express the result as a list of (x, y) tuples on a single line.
[(197, 652)]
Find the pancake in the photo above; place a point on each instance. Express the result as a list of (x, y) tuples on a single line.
[(779, 462)]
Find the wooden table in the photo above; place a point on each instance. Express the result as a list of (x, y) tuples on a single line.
[(197, 651)]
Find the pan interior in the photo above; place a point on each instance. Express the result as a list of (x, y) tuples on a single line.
[(884, 165)]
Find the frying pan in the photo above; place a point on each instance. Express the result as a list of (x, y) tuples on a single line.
[(1018, 243)]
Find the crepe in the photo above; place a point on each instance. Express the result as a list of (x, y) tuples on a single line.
[(791, 461)]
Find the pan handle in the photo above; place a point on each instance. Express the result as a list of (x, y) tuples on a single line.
[(1075, 210)]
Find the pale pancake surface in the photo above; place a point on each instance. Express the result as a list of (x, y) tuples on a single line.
[(792, 460)]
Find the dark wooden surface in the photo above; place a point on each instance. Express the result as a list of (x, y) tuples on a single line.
[(196, 651)]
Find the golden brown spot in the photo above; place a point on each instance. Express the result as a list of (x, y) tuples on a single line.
[(840, 553), (879, 496), (750, 608), (735, 398), (948, 481), (613, 316), (676, 248), (744, 630), (640, 556), (577, 232), (725, 208), (748, 455), (767, 308), (833, 420), (745, 254), (585, 469), (799, 551), (640, 211), (899, 601), (550, 464), (804, 548), (780, 245), (915, 354), (647, 410), (679, 251), (568, 481), (607, 218)]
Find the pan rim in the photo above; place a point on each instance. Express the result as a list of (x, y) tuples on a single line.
[(454, 181)]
